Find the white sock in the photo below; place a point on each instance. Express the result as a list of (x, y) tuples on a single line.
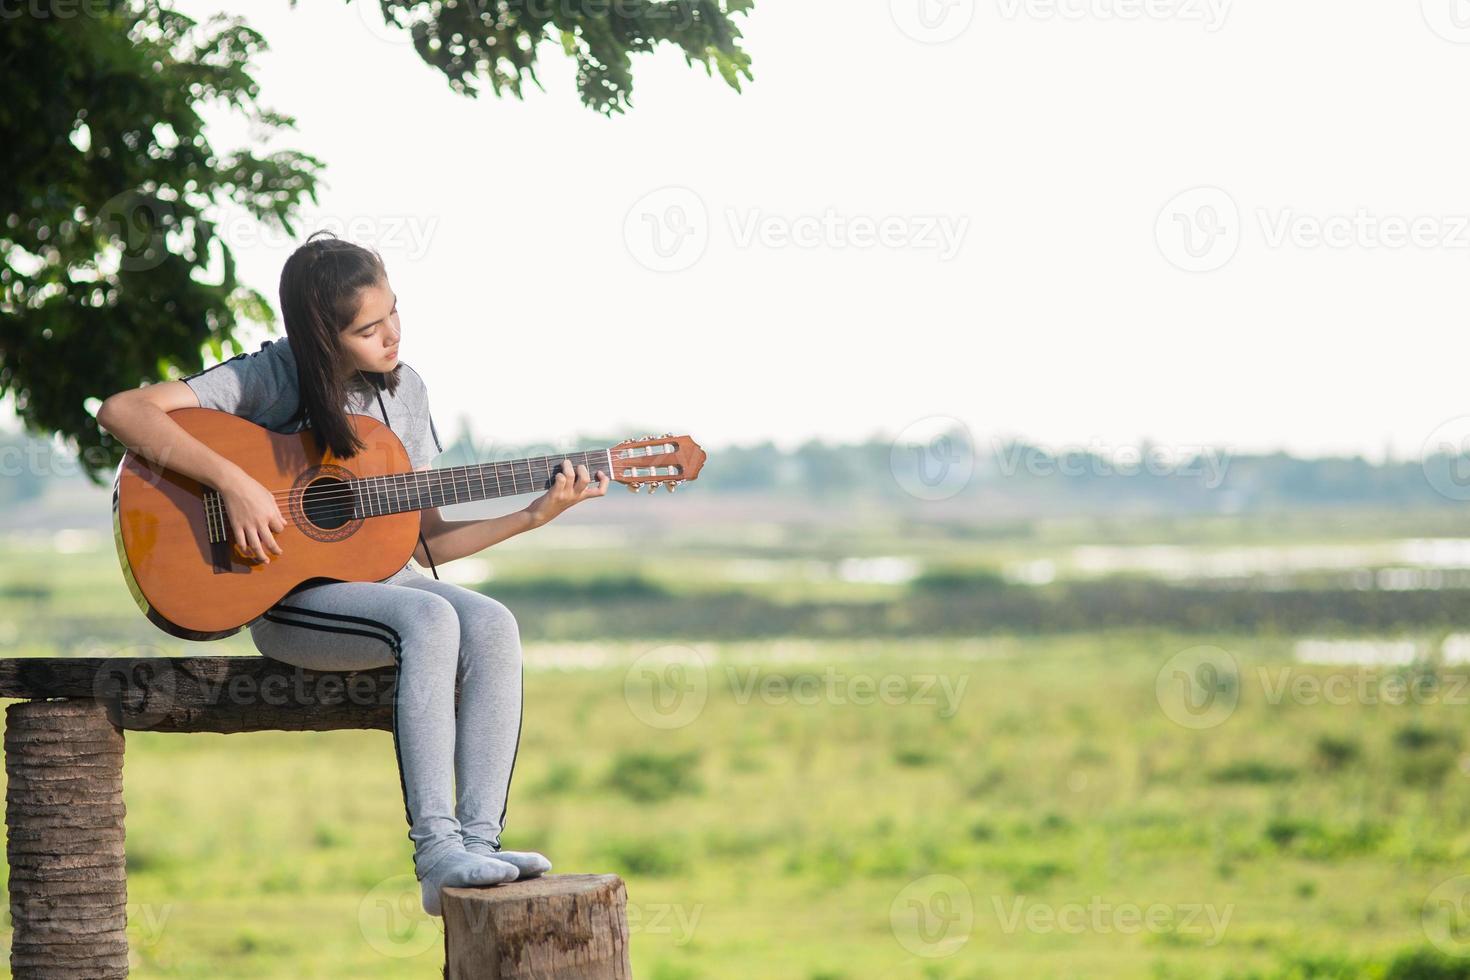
[(461, 869), (528, 864)]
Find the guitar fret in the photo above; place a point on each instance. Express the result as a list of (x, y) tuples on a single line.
[(392, 493)]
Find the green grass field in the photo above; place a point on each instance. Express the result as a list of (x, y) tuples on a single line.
[(1092, 804)]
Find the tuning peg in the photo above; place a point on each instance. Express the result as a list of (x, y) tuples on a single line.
[(671, 485), (634, 487)]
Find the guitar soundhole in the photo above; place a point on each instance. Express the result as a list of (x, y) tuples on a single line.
[(328, 504)]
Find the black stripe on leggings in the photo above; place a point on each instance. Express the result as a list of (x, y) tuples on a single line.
[(515, 752), (396, 651), (307, 624), (397, 642)]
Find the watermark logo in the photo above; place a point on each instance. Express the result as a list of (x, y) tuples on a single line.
[(1450, 19), (1446, 916), (392, 919), (138, 225), (668, 229), (667, 687), (932, 21), (933, 916), (933, 458), (1198, 687), (1445, 458), (140, 679), (1199, 229)]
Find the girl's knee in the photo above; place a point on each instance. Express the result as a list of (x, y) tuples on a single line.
[(493, 629), (428, 615)]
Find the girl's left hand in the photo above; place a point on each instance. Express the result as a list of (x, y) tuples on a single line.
[(572, 487)]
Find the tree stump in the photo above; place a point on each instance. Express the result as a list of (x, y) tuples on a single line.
[(64, 820), (555, 927)]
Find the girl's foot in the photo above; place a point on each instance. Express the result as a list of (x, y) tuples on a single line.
[(528, 864), (461, 869)]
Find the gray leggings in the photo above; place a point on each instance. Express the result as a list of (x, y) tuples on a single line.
[(435, 632)]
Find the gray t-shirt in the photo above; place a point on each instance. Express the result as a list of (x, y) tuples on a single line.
[(263, 388)]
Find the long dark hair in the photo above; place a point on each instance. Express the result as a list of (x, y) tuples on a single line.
[(321, 287)]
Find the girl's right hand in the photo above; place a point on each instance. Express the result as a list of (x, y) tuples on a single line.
[(253, 515)]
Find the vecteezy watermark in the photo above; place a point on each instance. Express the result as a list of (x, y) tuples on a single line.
[(669, 229), (1096, 458), (145, 229), (1200, 230), (1210, 13), (1363, 229), (837, 687), (932, 916), (145, 920), (1198, 687), (148, 685), (392, 919), (1362, 686), (1445, 458), (932, 21), (940, 233), (408, 236), (1019, 913), (142, 681), (43, 458), (674, 920), (1445, 916), (55, 9), (667, 687), (1450, 19), (933, 458)]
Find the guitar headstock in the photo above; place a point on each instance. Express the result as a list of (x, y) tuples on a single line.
[(651, 461)]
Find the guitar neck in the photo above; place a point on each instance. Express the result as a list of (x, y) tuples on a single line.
[(422, 489)]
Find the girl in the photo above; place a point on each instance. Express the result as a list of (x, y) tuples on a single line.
[(340, 355)]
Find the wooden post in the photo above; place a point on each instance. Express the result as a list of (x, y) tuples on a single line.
[(556, 927), (64, 821)]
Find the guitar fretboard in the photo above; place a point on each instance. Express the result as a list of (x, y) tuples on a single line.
[(422, 489)]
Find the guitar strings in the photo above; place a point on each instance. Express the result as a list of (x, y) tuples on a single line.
[(437, 474), (359, 492), (215, 514)]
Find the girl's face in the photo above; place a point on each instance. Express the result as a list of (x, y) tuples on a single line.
[(371, 342)]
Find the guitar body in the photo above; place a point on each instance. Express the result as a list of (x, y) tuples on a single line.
[(196, 588)]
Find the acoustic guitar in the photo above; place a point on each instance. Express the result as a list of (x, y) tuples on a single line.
[(350, 520)]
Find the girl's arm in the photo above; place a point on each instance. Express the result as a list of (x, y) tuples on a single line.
[(449, 540), (138, 418)]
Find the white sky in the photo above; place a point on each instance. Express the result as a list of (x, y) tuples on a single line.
[(1050, 138)]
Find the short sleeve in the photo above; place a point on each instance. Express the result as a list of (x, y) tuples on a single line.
[(419, 435), (247, 385)]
